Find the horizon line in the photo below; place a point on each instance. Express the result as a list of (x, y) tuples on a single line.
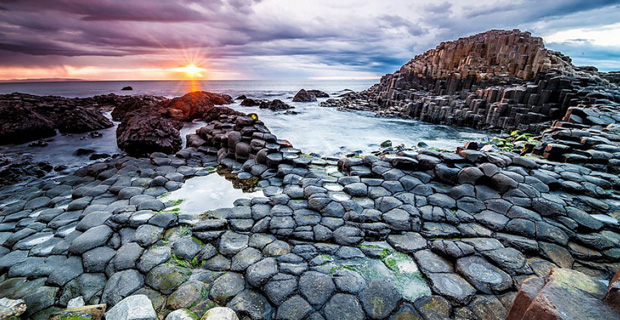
[(183, 80)]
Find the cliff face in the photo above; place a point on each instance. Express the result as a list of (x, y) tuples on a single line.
[(495, 56)]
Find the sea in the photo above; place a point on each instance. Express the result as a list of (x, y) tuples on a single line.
[(313, 129)]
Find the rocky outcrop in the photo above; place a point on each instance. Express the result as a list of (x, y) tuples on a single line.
[(26, 117), (309, 95), (81, 119), (144, 133), (274, 105), (152, 124), (491, 57), (15, 168), (197, 105), (135, 103), (248, 102), (304, 96), (20, 124), (318, 93)]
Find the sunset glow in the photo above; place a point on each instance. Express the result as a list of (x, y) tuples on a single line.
[(191, 70)]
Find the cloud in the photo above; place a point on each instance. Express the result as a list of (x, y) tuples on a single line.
[(348, 36)]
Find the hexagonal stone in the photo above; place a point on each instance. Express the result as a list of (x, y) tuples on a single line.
[(347, 236), (186, 248), (127, 256), (147, 234), (153, 257), (349, 281), (483, 275), (276, 248), (316, 287), (90, 239), (379, 299), (253, 304), (492, 219), (343, 307), (509, 259), (69, 270), (86, 285), (280, 287), (356, 189), (433, 307), (398, 219), (245, 258), (167, 278), (260, 272), (430, 262), (409, 242), (407, 312), (120, 285), (295, 308), (96, 260), (186, 295), (133, 307), (451, 286), (226, 287), (231, 243)]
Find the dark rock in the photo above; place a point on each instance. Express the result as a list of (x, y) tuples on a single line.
[(144, 134), (275, 105), (304, 96), (20, 124), (343, 307), (379, 299)]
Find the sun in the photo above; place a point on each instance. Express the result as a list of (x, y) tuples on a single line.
[(191, 70)]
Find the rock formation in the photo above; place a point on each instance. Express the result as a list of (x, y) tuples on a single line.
[(493, 56), (275, 105), (152, 124), (309, 95), (504, 81), (25, 117), (303, 96)]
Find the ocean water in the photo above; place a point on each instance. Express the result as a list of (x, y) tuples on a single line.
[(314, 129)]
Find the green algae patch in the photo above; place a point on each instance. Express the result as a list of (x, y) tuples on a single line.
[(394, 266)]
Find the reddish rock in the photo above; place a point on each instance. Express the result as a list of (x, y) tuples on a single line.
[(612, 297), (527, 293), (566, 295), (197, 105)]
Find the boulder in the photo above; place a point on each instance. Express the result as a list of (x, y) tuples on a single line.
[(275, 105), (136, 307), (250, 102), (318, 93), (135, 104), (304, 96), (143, 134), (197, 105), (220, 313), (127, 88)]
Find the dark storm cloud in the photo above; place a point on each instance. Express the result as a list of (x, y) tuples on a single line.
[(363, 38), (113, 10)]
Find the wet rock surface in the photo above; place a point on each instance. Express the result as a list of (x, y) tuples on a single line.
[(340, 238), (25, 117)]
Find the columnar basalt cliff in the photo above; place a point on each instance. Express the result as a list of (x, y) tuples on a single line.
[(505, 81), (488, 57)]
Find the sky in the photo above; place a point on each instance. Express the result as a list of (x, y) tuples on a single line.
[(277, 39)]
